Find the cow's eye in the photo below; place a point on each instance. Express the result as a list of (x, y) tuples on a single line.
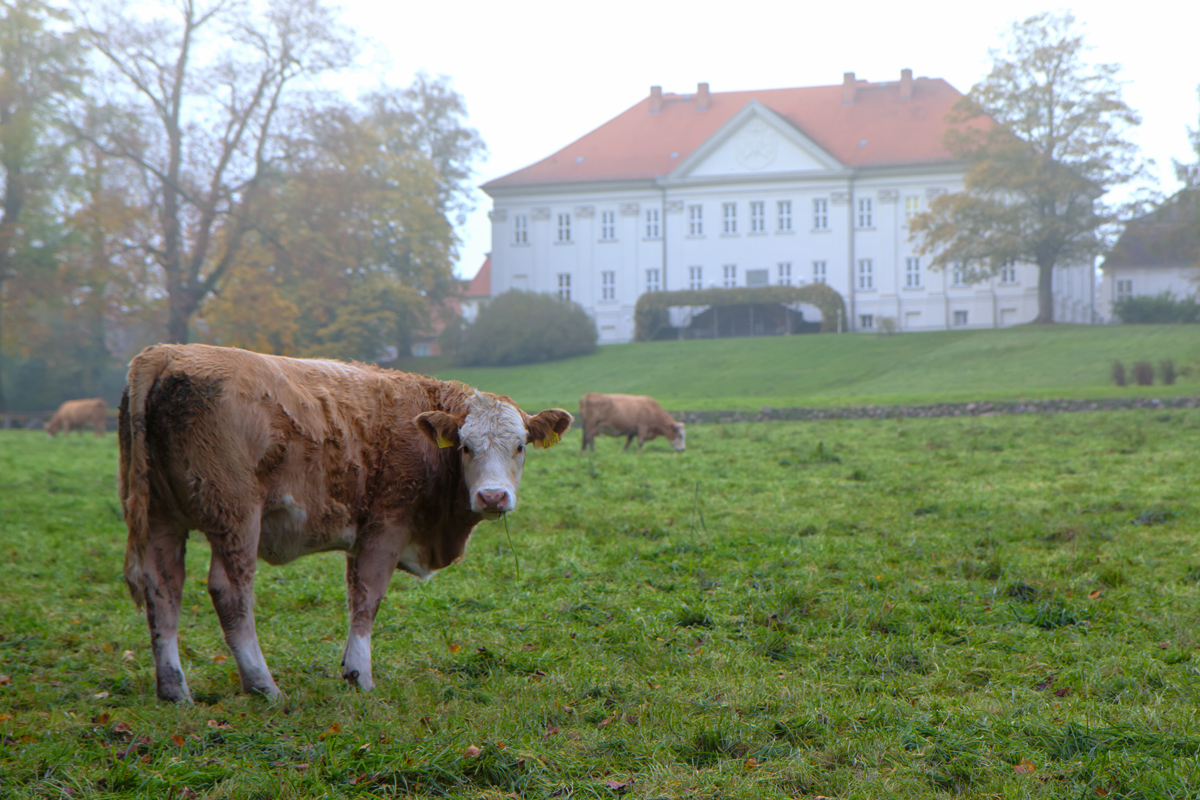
[(466, 450), (520, 448)]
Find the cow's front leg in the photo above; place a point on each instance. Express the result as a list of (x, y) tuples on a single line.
[(367, 576), (231, 586), (163, 575)]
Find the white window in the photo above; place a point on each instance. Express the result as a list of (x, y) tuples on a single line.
[(729, 216), (695, 277), (608, 226), (520, 229), (960, 318), (785, 273), (958, 275), (695, 220), (564, 227), (866, 274), (784, 207), (1008, 273), (730, 271), (912, 207), (865, 208), (820, 214), (758, 217), (653, 280), (564, 286), (912, 273), (1124, 288), (866, 321), (608, 286), (651, 223), (818, 272)]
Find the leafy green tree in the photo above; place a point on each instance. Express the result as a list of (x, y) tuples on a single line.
[(353, 233), (1043, 138), (524, 327), (41, 64)]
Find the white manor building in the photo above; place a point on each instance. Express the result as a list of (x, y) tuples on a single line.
[(780, 186)]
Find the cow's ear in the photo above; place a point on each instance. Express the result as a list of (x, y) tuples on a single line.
[(547, 428), (439, 427)]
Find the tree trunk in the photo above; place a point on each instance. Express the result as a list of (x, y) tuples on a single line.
[(180, 309), (1045, 294)]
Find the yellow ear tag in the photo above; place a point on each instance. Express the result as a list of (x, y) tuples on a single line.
[(443, 442), (552, 438)]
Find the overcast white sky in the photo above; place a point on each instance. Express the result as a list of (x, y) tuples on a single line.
[(538, 75)]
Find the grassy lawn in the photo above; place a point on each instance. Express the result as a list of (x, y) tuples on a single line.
[(1001, 607), (1025, 362)]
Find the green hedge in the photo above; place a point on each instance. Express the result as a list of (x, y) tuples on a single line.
[(650, 314)]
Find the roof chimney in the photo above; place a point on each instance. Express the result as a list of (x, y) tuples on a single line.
[(848, 88), (905, 84), (702, 97), (655, 99)]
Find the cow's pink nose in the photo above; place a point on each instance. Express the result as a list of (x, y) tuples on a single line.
[(493, 499)]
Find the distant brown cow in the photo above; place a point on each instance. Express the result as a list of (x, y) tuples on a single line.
[(276, 458), (75, 415), (628, 415)]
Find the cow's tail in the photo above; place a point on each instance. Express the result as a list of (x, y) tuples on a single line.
[(144, 370)]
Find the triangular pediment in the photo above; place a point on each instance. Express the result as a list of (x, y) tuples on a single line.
[(756, 140)]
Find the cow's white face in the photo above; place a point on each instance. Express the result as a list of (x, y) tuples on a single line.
[(680, 441), (491, 440)]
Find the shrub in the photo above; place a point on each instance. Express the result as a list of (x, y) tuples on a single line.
[(525, 327), (1166, 372), (1118, 374), (1143, 373), (1157, 309), (888, 326)]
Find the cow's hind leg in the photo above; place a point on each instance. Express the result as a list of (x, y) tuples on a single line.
[(231, 586), (163, 574), (367, 575), (629, 440)]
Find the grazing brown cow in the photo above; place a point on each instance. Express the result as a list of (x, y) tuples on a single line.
[(75, 415), (276, 458), (627, 415)]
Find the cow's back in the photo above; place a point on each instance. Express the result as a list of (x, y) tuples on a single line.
[(227, 430)]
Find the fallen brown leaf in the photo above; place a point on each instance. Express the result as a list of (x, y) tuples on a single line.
[(1025, 768), (472, 751), (5, 717), (220, 658), (1094, 595), (618, 786), (102, 719), (335, 727), (122, 727), (100, 696), (127, 655), (178, 739)]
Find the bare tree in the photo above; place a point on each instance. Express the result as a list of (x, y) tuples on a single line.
[(194, 101)]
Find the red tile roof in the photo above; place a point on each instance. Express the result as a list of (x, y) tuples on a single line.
[(880, 128), (481, 284)]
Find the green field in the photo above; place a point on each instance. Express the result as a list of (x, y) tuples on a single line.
[(1002, 607), (1025, 362)]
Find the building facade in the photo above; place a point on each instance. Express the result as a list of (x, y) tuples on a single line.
[(782, 186), (1157, 252)]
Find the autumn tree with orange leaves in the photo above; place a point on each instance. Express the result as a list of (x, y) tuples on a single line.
[(1036, 179)]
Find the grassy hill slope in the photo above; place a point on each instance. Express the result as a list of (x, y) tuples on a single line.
[(821, 370)]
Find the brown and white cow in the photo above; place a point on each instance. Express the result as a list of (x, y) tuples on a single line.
[(75, 415), (276, 458), (628, 415)]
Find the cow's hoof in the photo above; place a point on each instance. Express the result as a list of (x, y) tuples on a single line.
[(358, 680)]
